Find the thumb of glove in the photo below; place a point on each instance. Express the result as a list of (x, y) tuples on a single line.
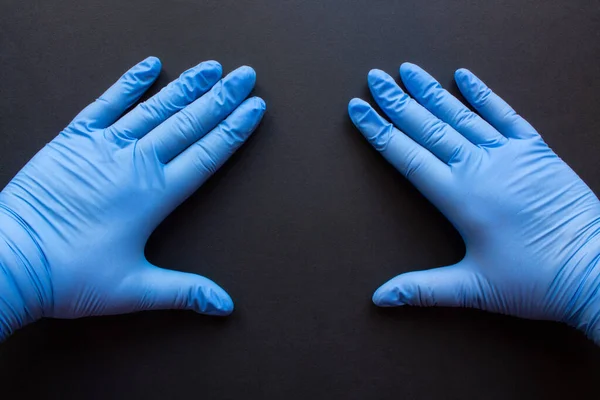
[(155, 288), (452, 286)]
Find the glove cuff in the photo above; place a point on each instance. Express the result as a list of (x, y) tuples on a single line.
[(25, 286), (587, 307)]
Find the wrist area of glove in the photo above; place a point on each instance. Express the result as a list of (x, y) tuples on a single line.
[(25, 286), (586, 310)]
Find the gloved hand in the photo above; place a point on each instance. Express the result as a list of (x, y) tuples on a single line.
[(76, 218), (530, 225)]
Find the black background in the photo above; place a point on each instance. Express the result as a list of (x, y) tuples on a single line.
[(306, 220)]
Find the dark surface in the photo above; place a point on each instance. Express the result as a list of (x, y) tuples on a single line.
[(306, 220)]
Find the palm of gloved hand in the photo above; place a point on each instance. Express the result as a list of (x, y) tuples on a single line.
[(530, 224), (78, 215)]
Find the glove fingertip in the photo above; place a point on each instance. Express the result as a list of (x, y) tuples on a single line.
[(408, 67), (260, 103), (247, 72), (387, 297), (226, 306), (153, 60), (212, 64), (153, 64), (461, 72), (213, 300), (376, 75), (464, 77), (357, 106), (211, 71)]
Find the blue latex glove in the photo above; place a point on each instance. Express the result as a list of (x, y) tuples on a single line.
[(530, 225), (76, 218)]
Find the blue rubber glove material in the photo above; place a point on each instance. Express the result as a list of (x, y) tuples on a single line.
[(76, 218), (530, 224)]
